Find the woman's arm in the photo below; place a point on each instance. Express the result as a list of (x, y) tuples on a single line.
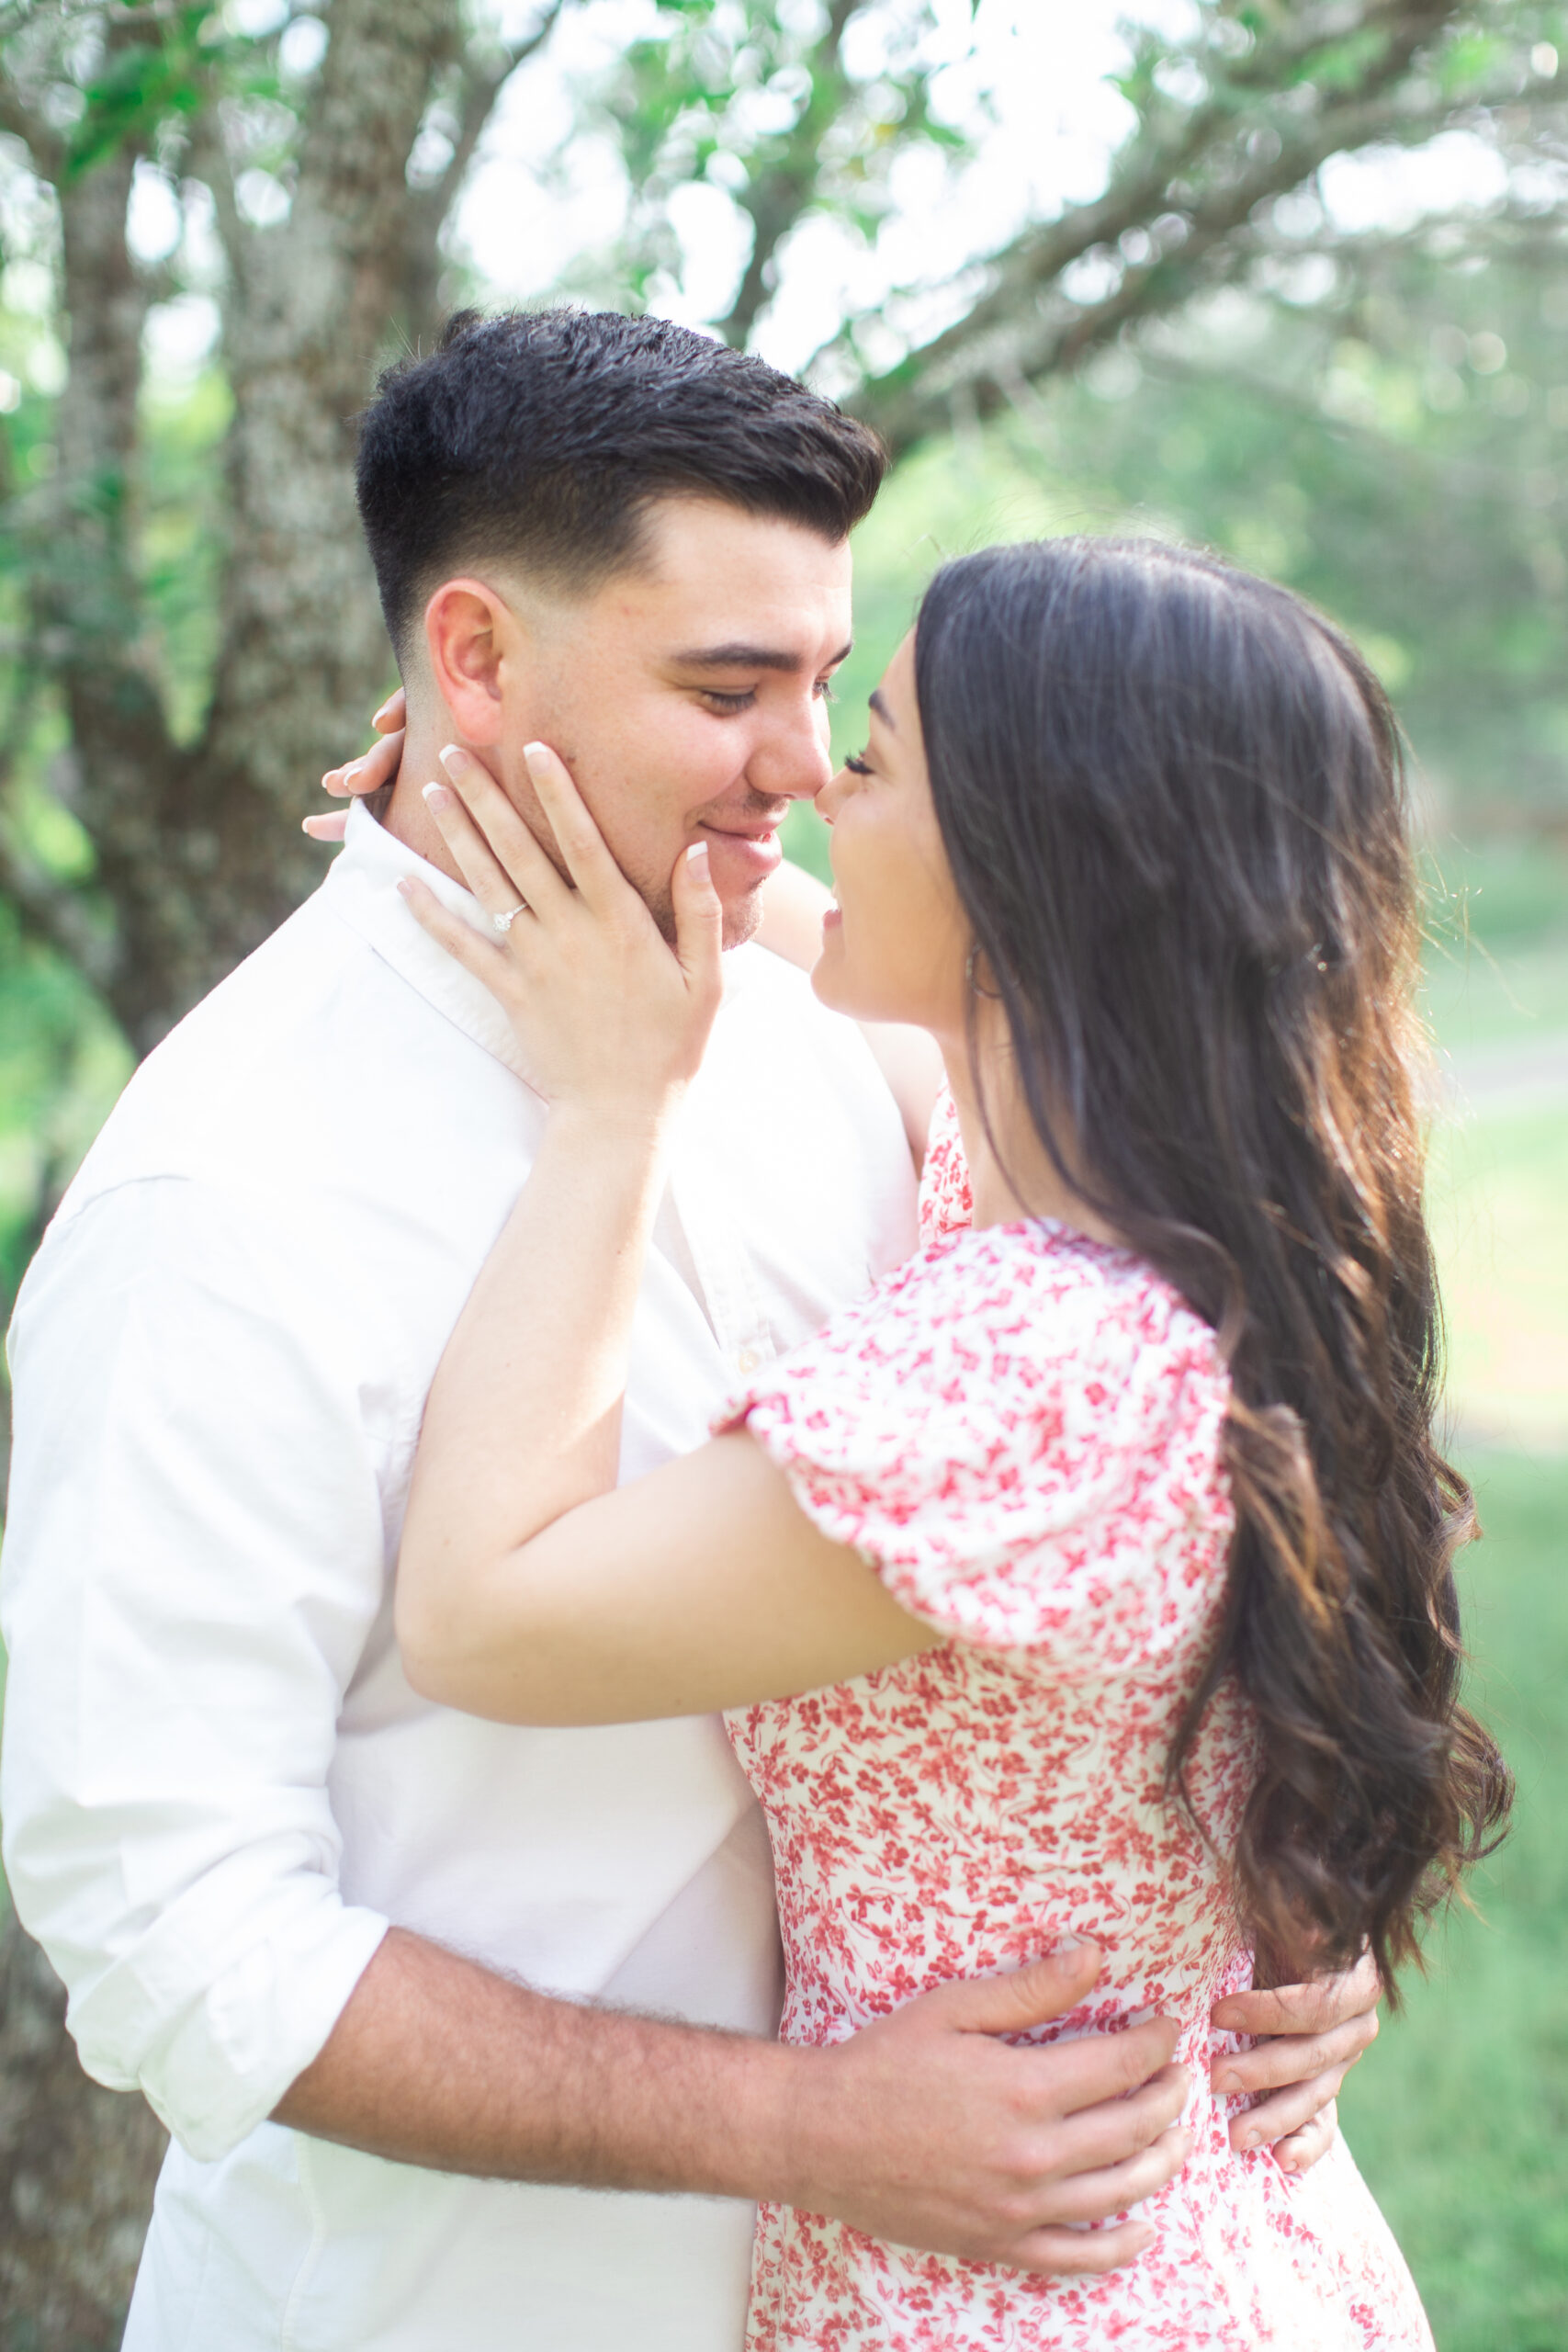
[(518, 1597), (612, 1025), (704, 1585)]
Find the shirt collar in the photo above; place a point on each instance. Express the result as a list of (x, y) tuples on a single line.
[(361, 888)]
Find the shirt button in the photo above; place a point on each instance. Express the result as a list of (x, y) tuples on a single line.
[(747, 1359)]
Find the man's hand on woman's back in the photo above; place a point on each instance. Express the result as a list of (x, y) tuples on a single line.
[(1309, 2037)]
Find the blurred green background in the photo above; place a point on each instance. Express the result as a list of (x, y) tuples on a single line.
[(1400, 456)]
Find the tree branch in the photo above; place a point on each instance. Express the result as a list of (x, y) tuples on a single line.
[(1022, 327), (483, 77), (483, 82), (42, 144), (776, 199), (210, 165)]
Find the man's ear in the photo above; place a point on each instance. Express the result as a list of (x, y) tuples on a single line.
[(473, 636)]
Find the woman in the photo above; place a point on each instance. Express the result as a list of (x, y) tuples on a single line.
[(1108, 1542)]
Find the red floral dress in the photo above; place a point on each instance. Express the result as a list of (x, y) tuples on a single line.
[(1019, 1430)]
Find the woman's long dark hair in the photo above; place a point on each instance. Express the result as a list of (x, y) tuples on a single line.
[(1173, 801)]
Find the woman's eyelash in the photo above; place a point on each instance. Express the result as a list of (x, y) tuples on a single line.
[(856, 764)]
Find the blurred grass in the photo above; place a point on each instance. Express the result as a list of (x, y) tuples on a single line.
[(1458, 2117), (1496, 998), (1499, 1201)]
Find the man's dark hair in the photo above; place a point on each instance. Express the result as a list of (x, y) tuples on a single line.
[(541, 439)]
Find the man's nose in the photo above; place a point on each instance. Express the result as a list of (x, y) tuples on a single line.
[(791, 762)]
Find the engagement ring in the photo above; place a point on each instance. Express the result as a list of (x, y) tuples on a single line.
[(504, 923)]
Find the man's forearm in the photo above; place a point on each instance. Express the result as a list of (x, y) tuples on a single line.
[(926, 2127), (438, 2062)]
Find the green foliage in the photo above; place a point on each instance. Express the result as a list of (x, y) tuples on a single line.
[(133, 79), (1398, 453), (760, 103), (1399, 456), (140, 83)]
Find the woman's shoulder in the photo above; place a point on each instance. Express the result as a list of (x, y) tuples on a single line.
[(1023, 1431), (1006, 1346), (1036, 1294)]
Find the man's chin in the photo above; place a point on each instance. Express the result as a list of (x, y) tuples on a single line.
[(742, 918)]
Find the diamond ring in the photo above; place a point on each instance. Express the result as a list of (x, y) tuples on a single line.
[(504, 923)]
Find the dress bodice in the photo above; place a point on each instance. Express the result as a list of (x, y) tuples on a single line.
[(1022, 1432)]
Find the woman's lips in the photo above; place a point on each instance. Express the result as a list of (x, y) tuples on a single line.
[(747, 858)]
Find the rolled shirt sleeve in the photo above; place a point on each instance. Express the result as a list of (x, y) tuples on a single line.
[(195, 1556)]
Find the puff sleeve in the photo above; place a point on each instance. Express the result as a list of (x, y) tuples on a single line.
[(1020, 1432)]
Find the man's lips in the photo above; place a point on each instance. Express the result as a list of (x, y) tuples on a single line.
[(746, 852)]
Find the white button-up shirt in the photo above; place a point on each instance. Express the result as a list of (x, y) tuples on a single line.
[(218, 1786)]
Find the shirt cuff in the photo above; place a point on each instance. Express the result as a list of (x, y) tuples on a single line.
[(213, 2057)]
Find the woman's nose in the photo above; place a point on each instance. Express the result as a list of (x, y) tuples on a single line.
[(830, 797)]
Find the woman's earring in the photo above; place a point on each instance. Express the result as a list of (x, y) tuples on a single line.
[(975, 987)]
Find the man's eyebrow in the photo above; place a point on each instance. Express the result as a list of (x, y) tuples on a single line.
[(877, 704), (740, 655)]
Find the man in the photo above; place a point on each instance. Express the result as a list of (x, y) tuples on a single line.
[(302, 1910)]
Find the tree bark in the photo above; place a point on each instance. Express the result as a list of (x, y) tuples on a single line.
[(77, 2165), (198, 860)]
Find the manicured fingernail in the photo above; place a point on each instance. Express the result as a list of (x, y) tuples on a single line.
[(1248, 2139), (697, 855), (1224, 2081), (438, 796), (378, 715), (354, 767), (453, 759), (405, 887)]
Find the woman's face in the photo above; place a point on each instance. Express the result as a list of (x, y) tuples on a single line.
[(895, 946)]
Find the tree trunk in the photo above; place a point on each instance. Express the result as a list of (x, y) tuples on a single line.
[(77, 2165), (196, 856), (198, 860)]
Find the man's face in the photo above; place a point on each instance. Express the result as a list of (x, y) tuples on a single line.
[(689, 698)]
